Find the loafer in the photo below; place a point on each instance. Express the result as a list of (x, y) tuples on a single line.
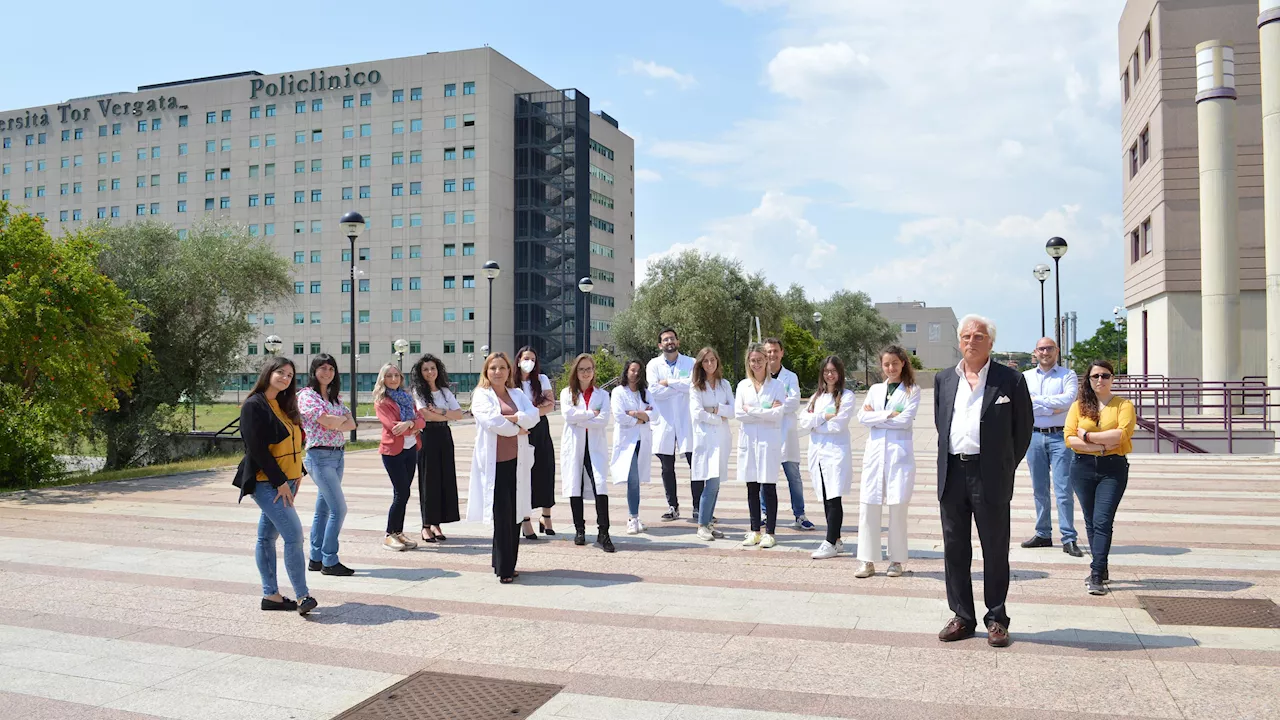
[(1037, 542), (307, 604), (314, 565), (1072, 549), (337, 569), (284, 604), (997, 634), (955, 629)]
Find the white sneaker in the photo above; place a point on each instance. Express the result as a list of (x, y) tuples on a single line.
[(640, 526), (895, 570), (767, 541), (840, 545), (824, 551), (632, 529), (705, 533), (408, 544), (391, 542), (865, 570), (752, 538)]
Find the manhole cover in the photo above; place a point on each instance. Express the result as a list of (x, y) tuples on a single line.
[(1218, 612), (437, 696)]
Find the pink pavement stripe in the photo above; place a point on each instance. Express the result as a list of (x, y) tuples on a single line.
[(29, 707), (100, 628)]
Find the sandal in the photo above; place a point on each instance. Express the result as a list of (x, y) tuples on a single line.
[(438, 533), (428, 538), (543, 526), (528, 535)]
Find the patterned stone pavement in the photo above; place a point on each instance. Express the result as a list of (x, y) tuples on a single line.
[(138, 599)]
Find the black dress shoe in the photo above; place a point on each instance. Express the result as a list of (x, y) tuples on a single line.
[(307, 605), (283, 604), (580, 538), (1037, 542), (337, 569), (606, 542), (954, 630), (1072, 549), (314, 565)]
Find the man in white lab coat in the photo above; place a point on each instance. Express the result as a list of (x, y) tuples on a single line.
[(669, 375), (791, 444)]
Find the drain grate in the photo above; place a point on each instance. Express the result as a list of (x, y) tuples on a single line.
[(1216, 612), (439, 696)]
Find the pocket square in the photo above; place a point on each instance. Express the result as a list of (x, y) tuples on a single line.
[(1002, 399)]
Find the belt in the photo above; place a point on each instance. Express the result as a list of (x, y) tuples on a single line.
[(327, 447), (1049, 430), (962, 457)]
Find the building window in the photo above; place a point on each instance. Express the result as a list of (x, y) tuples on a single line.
[(299, 196), (269, 229), (364, 285), (603, 150), (210, 118), (1136, 65), (468, 88), (224, 203), (269, 169), (1148, 241), (317, 136), (299, 257), (450, 315), (415, 283), (366, 99), (468, 249), (450, 185), (299, 288), (366, 161), (226, 116), (1144, 145), (468, 153), (255, 141), (1135, 246), (468, 281), (269, 199), (269, 140), (601, 300), (182, 148), (448, 347), (415, 125), (450, 153), (316, 226), (415, 188), (450, 218), (364, 318), (364, 191), (415, 157), (315, 287), (347, 193), (468, 217), (397, 221), (397, 316), (397, 252), (315, 195), (397, 283), (415, 93), (468, 120), (397, 127), (415, 251), (450, 250), (316, 165), (317, 105), (415, 219), (599, 224), (450, 122), (1146, 44), (397, 158), (601, 250), (1133, 160), (449, 282), (300, 138), (255, 112), (601, 174), (450, 90), (224, 174), (397, 189), (348, 162), (366, 129), (348, 101), (252, 349)]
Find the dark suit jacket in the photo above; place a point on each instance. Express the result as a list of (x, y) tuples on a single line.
[(1005, 432), (260, 429)]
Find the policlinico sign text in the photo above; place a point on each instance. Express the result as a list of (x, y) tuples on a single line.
[(288, 85)]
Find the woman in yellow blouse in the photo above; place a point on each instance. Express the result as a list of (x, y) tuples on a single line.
[(1100, 430)]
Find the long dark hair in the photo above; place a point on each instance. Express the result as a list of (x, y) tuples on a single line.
[(908, 376), (420, 385), (701, 381), (642, 382), (535, 382), (287, 399), (1088, 398), (837, 389), (335, 387)]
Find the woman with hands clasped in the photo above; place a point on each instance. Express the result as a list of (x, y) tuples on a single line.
[(827, 417), (584, 452), (711, 407), (633, 415), (437, 473), (888, 462), (399, 449), (758, 406)]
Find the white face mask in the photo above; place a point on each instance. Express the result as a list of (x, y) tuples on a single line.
[(526, 366)]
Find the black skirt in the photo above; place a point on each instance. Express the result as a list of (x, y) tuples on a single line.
[(437, 477), (543, 477)]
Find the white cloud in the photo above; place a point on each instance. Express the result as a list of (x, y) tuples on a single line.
[(662, 72), (647, 175), (808, 72)]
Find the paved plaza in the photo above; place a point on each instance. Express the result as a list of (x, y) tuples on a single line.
[(139, 599)]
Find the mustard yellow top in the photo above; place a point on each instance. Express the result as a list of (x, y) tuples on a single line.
[(287, 452), (1117, 413)]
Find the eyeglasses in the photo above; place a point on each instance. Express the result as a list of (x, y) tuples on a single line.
[(1047, 348), (1101, 376)]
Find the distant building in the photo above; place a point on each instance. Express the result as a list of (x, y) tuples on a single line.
[(928, 333)]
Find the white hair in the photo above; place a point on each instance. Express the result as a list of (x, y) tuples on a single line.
[(973, 319)]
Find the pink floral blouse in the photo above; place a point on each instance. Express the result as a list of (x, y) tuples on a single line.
[(311, 406)]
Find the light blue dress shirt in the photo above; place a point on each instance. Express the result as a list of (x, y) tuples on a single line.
[(1052, 393)]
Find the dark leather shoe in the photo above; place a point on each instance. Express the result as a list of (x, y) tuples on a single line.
[(314, 565), (337, 569), (580, 538), (1072, 549), (1037, 542), (306, 605), (955, 630), (606, 542), (997, 635), (283, 604)]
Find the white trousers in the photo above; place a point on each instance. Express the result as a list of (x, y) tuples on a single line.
[(869, 549)]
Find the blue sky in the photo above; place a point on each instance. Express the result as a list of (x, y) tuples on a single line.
[(919, 150)]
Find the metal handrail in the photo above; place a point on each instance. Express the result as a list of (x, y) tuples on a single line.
[(1229, 407)]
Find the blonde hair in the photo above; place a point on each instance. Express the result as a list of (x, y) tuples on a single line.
[(484, 370), (746, 360), (380, 387)]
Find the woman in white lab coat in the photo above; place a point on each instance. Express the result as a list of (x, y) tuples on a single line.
[(827, 418), (888, 462), (759, 408), (711, 409), (584, 452), (501, 461), (633, 416)]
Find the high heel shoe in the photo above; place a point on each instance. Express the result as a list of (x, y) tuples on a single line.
[(439, 535), (543, 526), (530, 535), (426, 537)]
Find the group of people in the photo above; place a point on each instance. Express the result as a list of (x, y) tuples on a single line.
[(987, 416)]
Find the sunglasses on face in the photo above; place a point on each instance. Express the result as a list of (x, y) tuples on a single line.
[(1101, 376)]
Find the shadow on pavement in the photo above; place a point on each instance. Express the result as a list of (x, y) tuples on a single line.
[(1148, 550), (1101, 640), (407, 574), (350, 613), (1159, 584), (90, 492), (574, 577)]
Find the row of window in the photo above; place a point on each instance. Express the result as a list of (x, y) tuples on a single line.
[(1140, 151), (301, 287), (599, 224), (397, 253), (1134, 71), (601, 149), (603, 175), (600, 199), (415, 347), (1141, 241), (450, 185), (601, 250), (363, 316)]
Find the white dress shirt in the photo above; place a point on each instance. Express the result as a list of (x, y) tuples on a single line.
[(966, 414), (1052, 394)]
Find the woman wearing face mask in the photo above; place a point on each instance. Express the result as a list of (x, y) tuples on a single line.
[(827, 417), (437, 476), (632, 438), (711, 407), (326, 420), (271, 472), (758, 406), (399, 449), (537, 387), (888, 461)]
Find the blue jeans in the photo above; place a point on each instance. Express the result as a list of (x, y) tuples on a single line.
[(633, 484), (792, 471), (279, 521), (1050, 451), (707, 504), (326, 467), (1100, 482)]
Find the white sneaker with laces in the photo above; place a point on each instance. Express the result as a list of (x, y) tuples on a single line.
[(704, 533), (640, 526), (865, 570), (767, 541), (752, 538), (391, 542), (824, 551), (840, 545), (631, 526), (895, 570)]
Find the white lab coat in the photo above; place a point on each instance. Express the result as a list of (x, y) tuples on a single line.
[(830, 451), (888, 461), (627, 432), (672, 431), (712, 441), (489, 425), (583, 428), (760, 435), (790, 423)]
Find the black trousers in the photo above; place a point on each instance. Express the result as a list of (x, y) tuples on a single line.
[(602, 501), (506, 529), (964, 503), (400, 468), (668, 463), (770, 505), (834, 510)]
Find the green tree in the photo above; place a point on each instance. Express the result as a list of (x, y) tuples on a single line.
[(197, 293), (802, 354), (70, 344), (608, 367), (1109, 342), (710, 301), (799, 308), (853, 329)]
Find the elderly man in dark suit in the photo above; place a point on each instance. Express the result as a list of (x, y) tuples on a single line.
[(983, 414)]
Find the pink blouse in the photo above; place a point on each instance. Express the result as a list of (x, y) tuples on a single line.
[(311, 406)]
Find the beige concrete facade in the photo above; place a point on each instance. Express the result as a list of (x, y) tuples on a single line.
[(1159, 163), (422, 147), (927, 332)]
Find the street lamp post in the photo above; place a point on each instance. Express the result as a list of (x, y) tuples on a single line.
[(401, 346), (1056, 248), (352, 225), (1041, 273), (817, 325), (586, 286), (272, 344), (491, 271), (1120, 339)]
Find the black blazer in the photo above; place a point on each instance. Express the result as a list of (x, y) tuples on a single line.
[(260, 429), (1004, 434)]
